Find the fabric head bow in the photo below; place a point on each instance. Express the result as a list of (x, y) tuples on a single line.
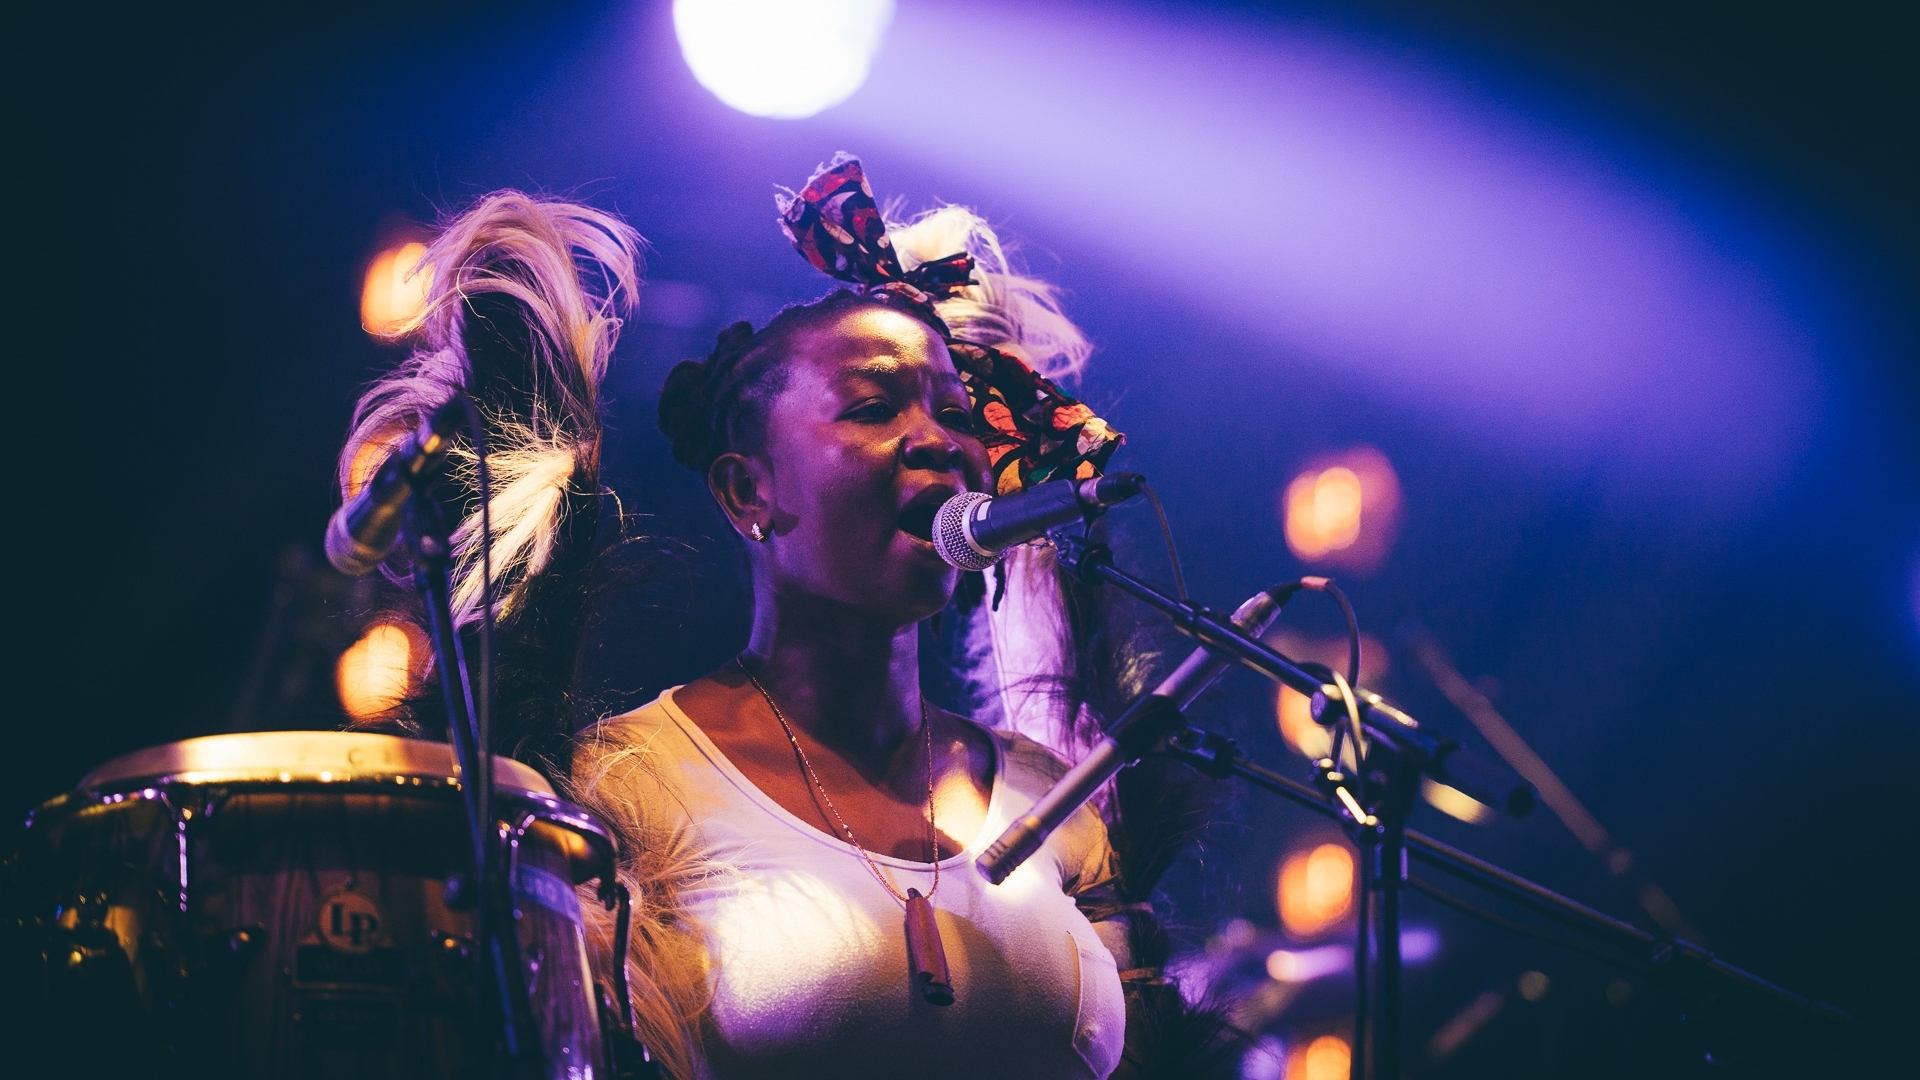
[(1033, 430), (835, 225)]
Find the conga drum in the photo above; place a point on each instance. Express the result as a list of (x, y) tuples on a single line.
[(287, 904)]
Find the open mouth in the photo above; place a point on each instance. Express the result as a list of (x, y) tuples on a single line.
[(916, 518)]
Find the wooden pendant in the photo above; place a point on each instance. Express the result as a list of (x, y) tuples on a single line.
[(925, 955)]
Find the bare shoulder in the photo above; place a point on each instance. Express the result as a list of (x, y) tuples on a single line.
[(716, 701), (611, 746), (1030, 761), (961, 736)]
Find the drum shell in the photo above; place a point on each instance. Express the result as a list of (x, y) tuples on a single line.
[(292, 928)]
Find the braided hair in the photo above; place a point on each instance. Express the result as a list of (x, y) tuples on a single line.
[(719, 403)]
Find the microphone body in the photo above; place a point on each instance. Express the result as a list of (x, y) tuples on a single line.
[(973, 530), (1129, 736), (363, 530)]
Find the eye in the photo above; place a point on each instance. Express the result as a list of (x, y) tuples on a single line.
[(872, 411), (957, 418)]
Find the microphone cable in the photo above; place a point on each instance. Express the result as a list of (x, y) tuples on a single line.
[(1166, 535)]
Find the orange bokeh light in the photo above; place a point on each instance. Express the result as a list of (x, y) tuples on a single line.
[(395, 292), (1297, 726), (1343, 510), (1316, 889), (1325, 1058), (376, 673), (1292, 709), (1323, 511)]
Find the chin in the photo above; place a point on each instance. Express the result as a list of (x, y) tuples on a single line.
[(923, 604), (915, 594)]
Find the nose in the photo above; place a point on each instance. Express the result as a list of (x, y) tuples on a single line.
[(929, 444)]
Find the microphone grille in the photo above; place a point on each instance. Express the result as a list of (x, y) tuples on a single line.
[(950, 537)]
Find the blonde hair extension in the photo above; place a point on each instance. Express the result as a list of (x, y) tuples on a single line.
[(1003, 308), (667, 960), (571, 272), (1022, 647)]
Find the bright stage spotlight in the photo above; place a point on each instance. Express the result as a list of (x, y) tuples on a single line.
[(786, 59)]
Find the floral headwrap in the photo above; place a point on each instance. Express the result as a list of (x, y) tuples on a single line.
[(1033, 430)]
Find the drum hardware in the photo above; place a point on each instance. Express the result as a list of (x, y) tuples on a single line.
[(455, 946), (616, 897), (223, 957), (630, 1057), (459, 892), (315, 934)]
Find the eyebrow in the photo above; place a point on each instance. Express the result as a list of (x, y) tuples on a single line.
[(892, 370)]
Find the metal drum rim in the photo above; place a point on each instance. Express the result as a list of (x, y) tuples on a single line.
[(283, 755), (188, 765)]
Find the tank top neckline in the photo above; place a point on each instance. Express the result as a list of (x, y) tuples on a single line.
[(718, 758)]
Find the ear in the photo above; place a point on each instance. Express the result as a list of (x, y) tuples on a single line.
[(739, 484)]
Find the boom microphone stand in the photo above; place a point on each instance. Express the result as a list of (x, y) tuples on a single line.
[(1636, 949), (485, 889), (1396, 755)]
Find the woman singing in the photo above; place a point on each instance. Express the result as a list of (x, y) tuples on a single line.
[(800, 823)]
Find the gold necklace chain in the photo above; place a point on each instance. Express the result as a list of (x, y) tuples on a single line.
[(933, 835)]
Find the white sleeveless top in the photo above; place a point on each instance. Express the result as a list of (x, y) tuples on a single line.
[(808, 951)]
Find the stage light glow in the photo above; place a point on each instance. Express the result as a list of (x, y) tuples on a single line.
[(785, 59), (376, 673), (1916, 594), (1446, 245), (1265, 1060), (1323, 512), (1534, 985), (1297, 726), (1316, 889), (1453, 802), (1325, 1058), (1342, 510), (1292, 709), (395, 291), (1306, 965)]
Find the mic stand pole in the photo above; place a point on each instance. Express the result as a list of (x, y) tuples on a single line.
[(1398, 752), (1381, 835), (1641, 951), (485, 891), (1396, 749)]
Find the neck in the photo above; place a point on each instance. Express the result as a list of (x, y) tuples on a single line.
[(847, 681)]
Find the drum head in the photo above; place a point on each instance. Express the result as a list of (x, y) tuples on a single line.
[(303, 756)]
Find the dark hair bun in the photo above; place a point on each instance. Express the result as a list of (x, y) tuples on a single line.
[(686, 401), (684, 414)]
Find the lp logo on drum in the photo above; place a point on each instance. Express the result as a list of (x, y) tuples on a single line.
[(349, 922)]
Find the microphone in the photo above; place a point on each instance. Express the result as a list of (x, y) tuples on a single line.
[(361, 532), (1136, 731), (973, 530)]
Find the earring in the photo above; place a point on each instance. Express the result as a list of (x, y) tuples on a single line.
[(759, 535)]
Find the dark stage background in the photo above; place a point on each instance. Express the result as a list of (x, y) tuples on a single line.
[(1624, 293)]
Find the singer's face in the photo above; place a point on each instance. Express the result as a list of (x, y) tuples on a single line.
[(869, 435)]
